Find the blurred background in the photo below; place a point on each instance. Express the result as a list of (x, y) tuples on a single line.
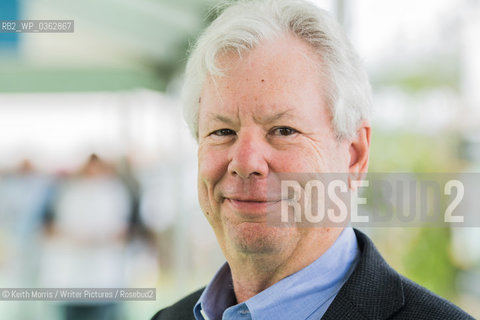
[(98, 170)]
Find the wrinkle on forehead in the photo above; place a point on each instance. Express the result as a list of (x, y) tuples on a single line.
[(231, 60), (253, 86)]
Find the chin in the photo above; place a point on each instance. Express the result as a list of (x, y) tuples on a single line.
[(258, 238)]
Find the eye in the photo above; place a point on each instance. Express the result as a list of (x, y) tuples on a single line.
[(283, 131), (223, 132)]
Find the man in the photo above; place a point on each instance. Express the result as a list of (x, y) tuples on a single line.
[(275, 87)]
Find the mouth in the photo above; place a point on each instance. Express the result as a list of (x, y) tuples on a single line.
[(251, 206)]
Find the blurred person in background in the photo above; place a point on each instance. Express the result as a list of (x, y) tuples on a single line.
[(25, 196), (158, 212), (272, 87), (86, 238), (25, 199)]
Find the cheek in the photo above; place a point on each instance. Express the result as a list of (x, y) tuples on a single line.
[(337, 159), (212, 165), (289, 161), (298, 159), (310, 157)]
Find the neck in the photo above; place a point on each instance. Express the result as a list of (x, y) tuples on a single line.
[(253, 273)]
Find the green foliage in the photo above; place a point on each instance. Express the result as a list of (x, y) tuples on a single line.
[(427, 261), (412, 152), (422, 253)]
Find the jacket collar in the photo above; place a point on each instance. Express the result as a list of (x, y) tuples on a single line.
[(373, 291)]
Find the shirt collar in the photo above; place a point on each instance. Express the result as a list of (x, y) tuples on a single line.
[(217, 296), (295, 297)]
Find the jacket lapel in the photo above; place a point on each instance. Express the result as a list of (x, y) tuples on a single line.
[(373, 291)]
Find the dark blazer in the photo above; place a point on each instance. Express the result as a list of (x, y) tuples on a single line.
[(373, 291)]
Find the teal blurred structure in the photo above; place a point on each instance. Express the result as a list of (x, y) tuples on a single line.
[(116, 45)]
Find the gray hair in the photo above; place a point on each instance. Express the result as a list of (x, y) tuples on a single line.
[(245, 24)]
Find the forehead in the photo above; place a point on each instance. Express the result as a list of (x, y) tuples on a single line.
[(279, 74), (285, 59)]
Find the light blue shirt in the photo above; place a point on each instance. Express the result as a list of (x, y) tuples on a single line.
[(305, 294)]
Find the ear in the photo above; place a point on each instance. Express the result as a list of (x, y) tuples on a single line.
[(359, 152)]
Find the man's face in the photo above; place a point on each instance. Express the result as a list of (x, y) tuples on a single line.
[(267, 114)]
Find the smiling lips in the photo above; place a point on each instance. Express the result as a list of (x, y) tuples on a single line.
[(253, 206)]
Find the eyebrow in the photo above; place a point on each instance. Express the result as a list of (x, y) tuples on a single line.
[(267, 119), (275, 117), (220, 118)]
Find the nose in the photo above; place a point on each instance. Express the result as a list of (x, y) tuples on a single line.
[(248, 156)]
